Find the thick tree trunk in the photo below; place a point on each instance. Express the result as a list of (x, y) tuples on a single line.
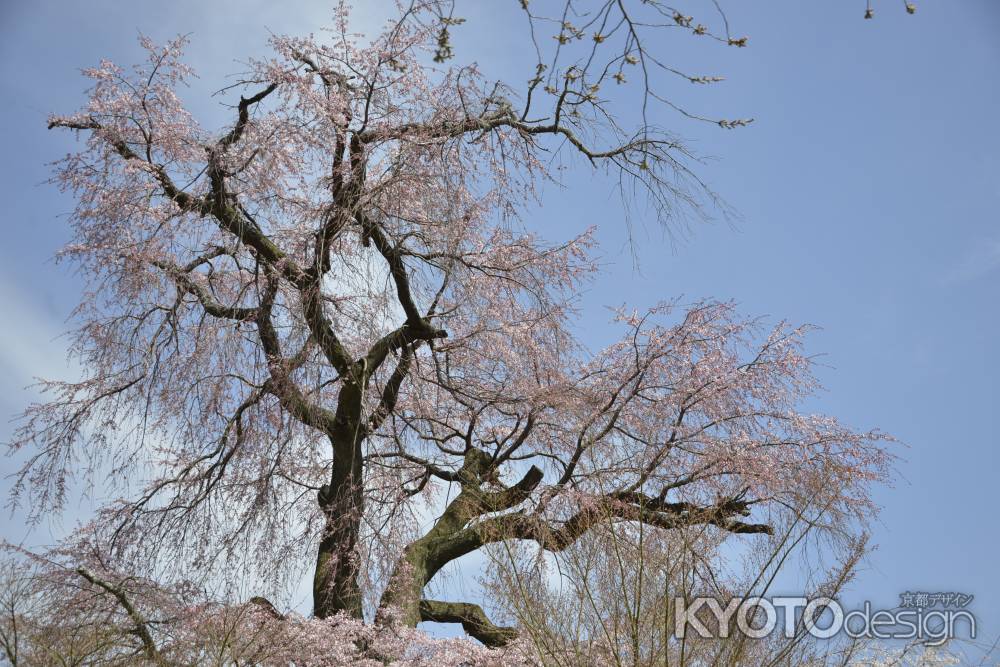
[(450, 538), (423, 558), (406, 585), (335, 582)]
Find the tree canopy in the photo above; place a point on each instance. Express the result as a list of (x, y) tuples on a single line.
[(323, 338)]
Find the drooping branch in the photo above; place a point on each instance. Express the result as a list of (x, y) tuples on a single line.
[(473, 619), (185, 284), (141, 624), (185, 201)]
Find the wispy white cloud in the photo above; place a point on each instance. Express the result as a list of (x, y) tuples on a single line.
[(30, 343), (977, 263)]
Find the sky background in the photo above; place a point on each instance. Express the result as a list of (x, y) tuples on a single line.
[(867, 194)]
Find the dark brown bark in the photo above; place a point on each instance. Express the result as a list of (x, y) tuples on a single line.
[(473, 619), (335, 582)]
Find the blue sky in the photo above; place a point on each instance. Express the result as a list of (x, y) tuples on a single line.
[(867, 189)]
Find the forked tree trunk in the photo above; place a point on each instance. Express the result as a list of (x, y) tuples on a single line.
[(451, 538)]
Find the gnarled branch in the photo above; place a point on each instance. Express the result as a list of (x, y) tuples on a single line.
[(473, 619)]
